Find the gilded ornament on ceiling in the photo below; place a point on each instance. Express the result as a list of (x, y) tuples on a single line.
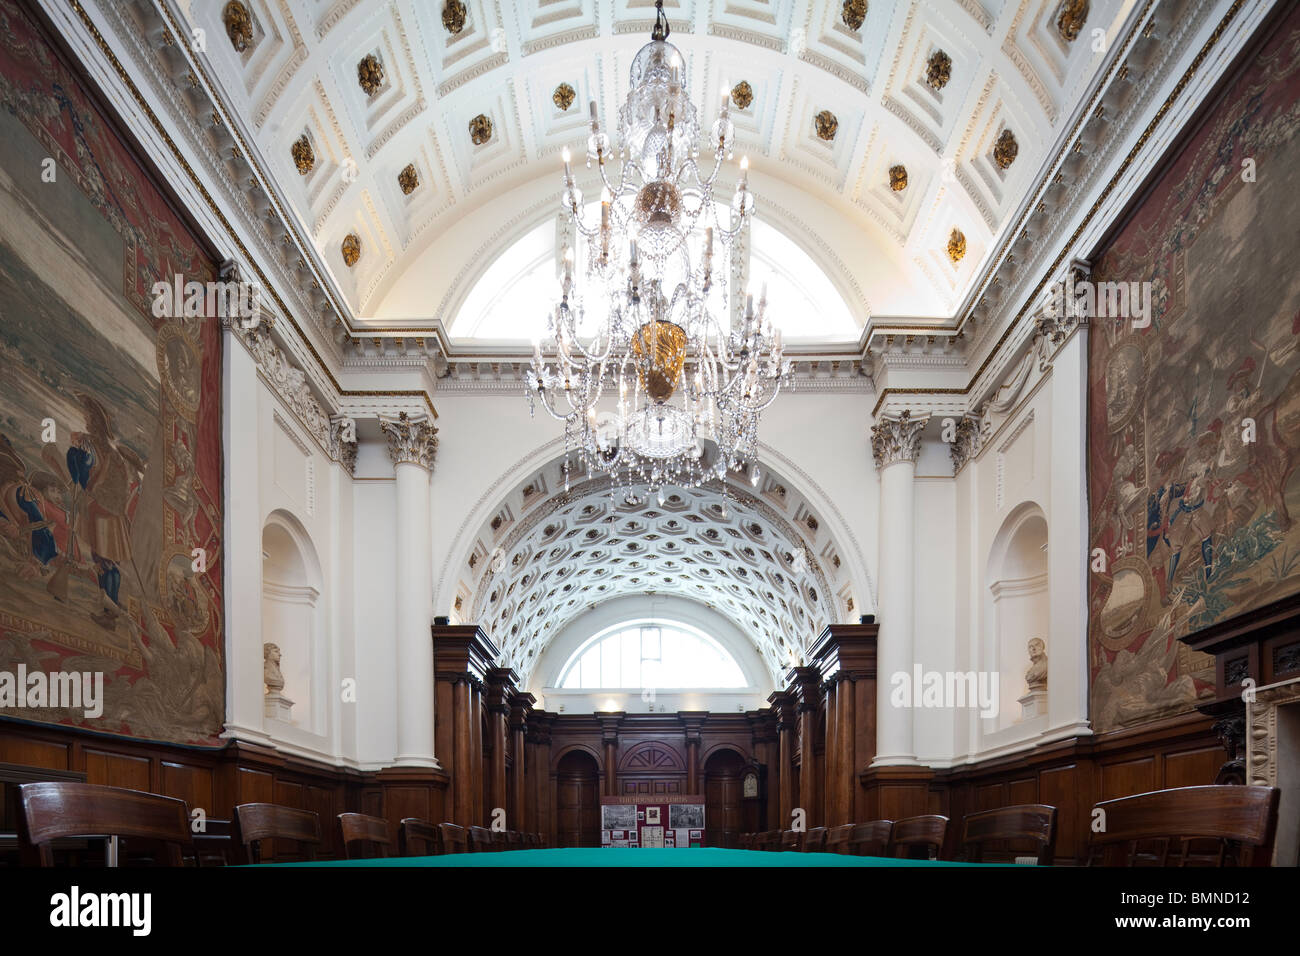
[(564, 96), (938, 70), (826, 125), (351, 249), (742, 94), (370, 74), (408, 179), (854, 14), (1074, 13), (304, 157), (453, 16), (898, 178), (480, 129), (956, 246), (239, 25), (1005, 149)]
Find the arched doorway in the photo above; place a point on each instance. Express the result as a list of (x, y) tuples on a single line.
[(723, 817), (577, 800)]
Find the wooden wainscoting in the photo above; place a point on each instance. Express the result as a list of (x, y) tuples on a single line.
[(217, 780)]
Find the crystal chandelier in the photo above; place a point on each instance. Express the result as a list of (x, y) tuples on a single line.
[(660, 375)]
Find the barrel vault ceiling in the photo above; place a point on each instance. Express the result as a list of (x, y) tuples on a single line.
[(930, 87)]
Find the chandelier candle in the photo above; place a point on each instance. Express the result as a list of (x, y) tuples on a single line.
[(661, 369)]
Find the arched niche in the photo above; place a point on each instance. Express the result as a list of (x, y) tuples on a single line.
[(291, 619), (1018, 605)]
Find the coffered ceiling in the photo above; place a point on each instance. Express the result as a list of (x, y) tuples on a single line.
[(930, 87)]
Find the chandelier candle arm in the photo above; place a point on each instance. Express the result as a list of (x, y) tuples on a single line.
[(644, 314)]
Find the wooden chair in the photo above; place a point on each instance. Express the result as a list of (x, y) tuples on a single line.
[(481, 840), (770, 841), (871, 839), (1238, 823), (1028, 823), (747, 841), (791, 841), (918, 838), (814, 841), (416, 837), (370, 832), (215, 846), (514, 840), (455, 839), (58, 809), (837, 838), (255, 822)]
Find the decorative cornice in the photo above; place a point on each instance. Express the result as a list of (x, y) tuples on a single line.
[(411, 440), (897, 439)]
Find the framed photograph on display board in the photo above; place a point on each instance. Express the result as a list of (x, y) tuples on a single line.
[(618, 816), (652, 837), (652, 815), (686, 816)]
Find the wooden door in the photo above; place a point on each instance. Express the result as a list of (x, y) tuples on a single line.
[(577, 801), (722, 803)]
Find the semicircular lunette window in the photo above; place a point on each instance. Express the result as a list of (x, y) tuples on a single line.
[(509, 301), (650, 654)]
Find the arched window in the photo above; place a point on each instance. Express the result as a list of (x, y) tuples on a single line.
[(650, 654)]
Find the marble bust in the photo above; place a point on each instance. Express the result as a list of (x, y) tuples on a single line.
[(1036, 676)]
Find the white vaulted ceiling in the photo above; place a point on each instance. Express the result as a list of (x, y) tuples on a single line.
[(885, 251), (763, 558)]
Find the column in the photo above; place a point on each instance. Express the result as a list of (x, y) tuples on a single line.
[(783, 703), (609, 722), (808, 688), (896, 443), (539, 773), (1068, 540), (692, 720), (519, 816), (463, 656), (500, 687), (412, 444), (830, 774)]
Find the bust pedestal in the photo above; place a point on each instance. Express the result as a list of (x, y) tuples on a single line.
[(1033, 704), (278, 707)]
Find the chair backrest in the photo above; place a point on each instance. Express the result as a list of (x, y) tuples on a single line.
[(814, 841), (791, 840), (1027, 823), (363, 837), (770, 840), (255, 822), (215, 846), (481, 840), (514, 840), (872, 839), (455, 839), (1239, 822), (55, 809), (918, 837), (837, 838), (747, 841), (416, 837)]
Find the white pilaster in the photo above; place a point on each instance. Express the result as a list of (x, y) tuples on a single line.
[(896, 444), (412, 445)]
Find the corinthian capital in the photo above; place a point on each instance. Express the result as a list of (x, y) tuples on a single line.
[(412, 440), (897, 439)]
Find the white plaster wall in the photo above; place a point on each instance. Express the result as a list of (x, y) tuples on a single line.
[(272, 465)]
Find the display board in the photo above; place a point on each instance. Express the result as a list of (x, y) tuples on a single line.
[(675, 821)]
